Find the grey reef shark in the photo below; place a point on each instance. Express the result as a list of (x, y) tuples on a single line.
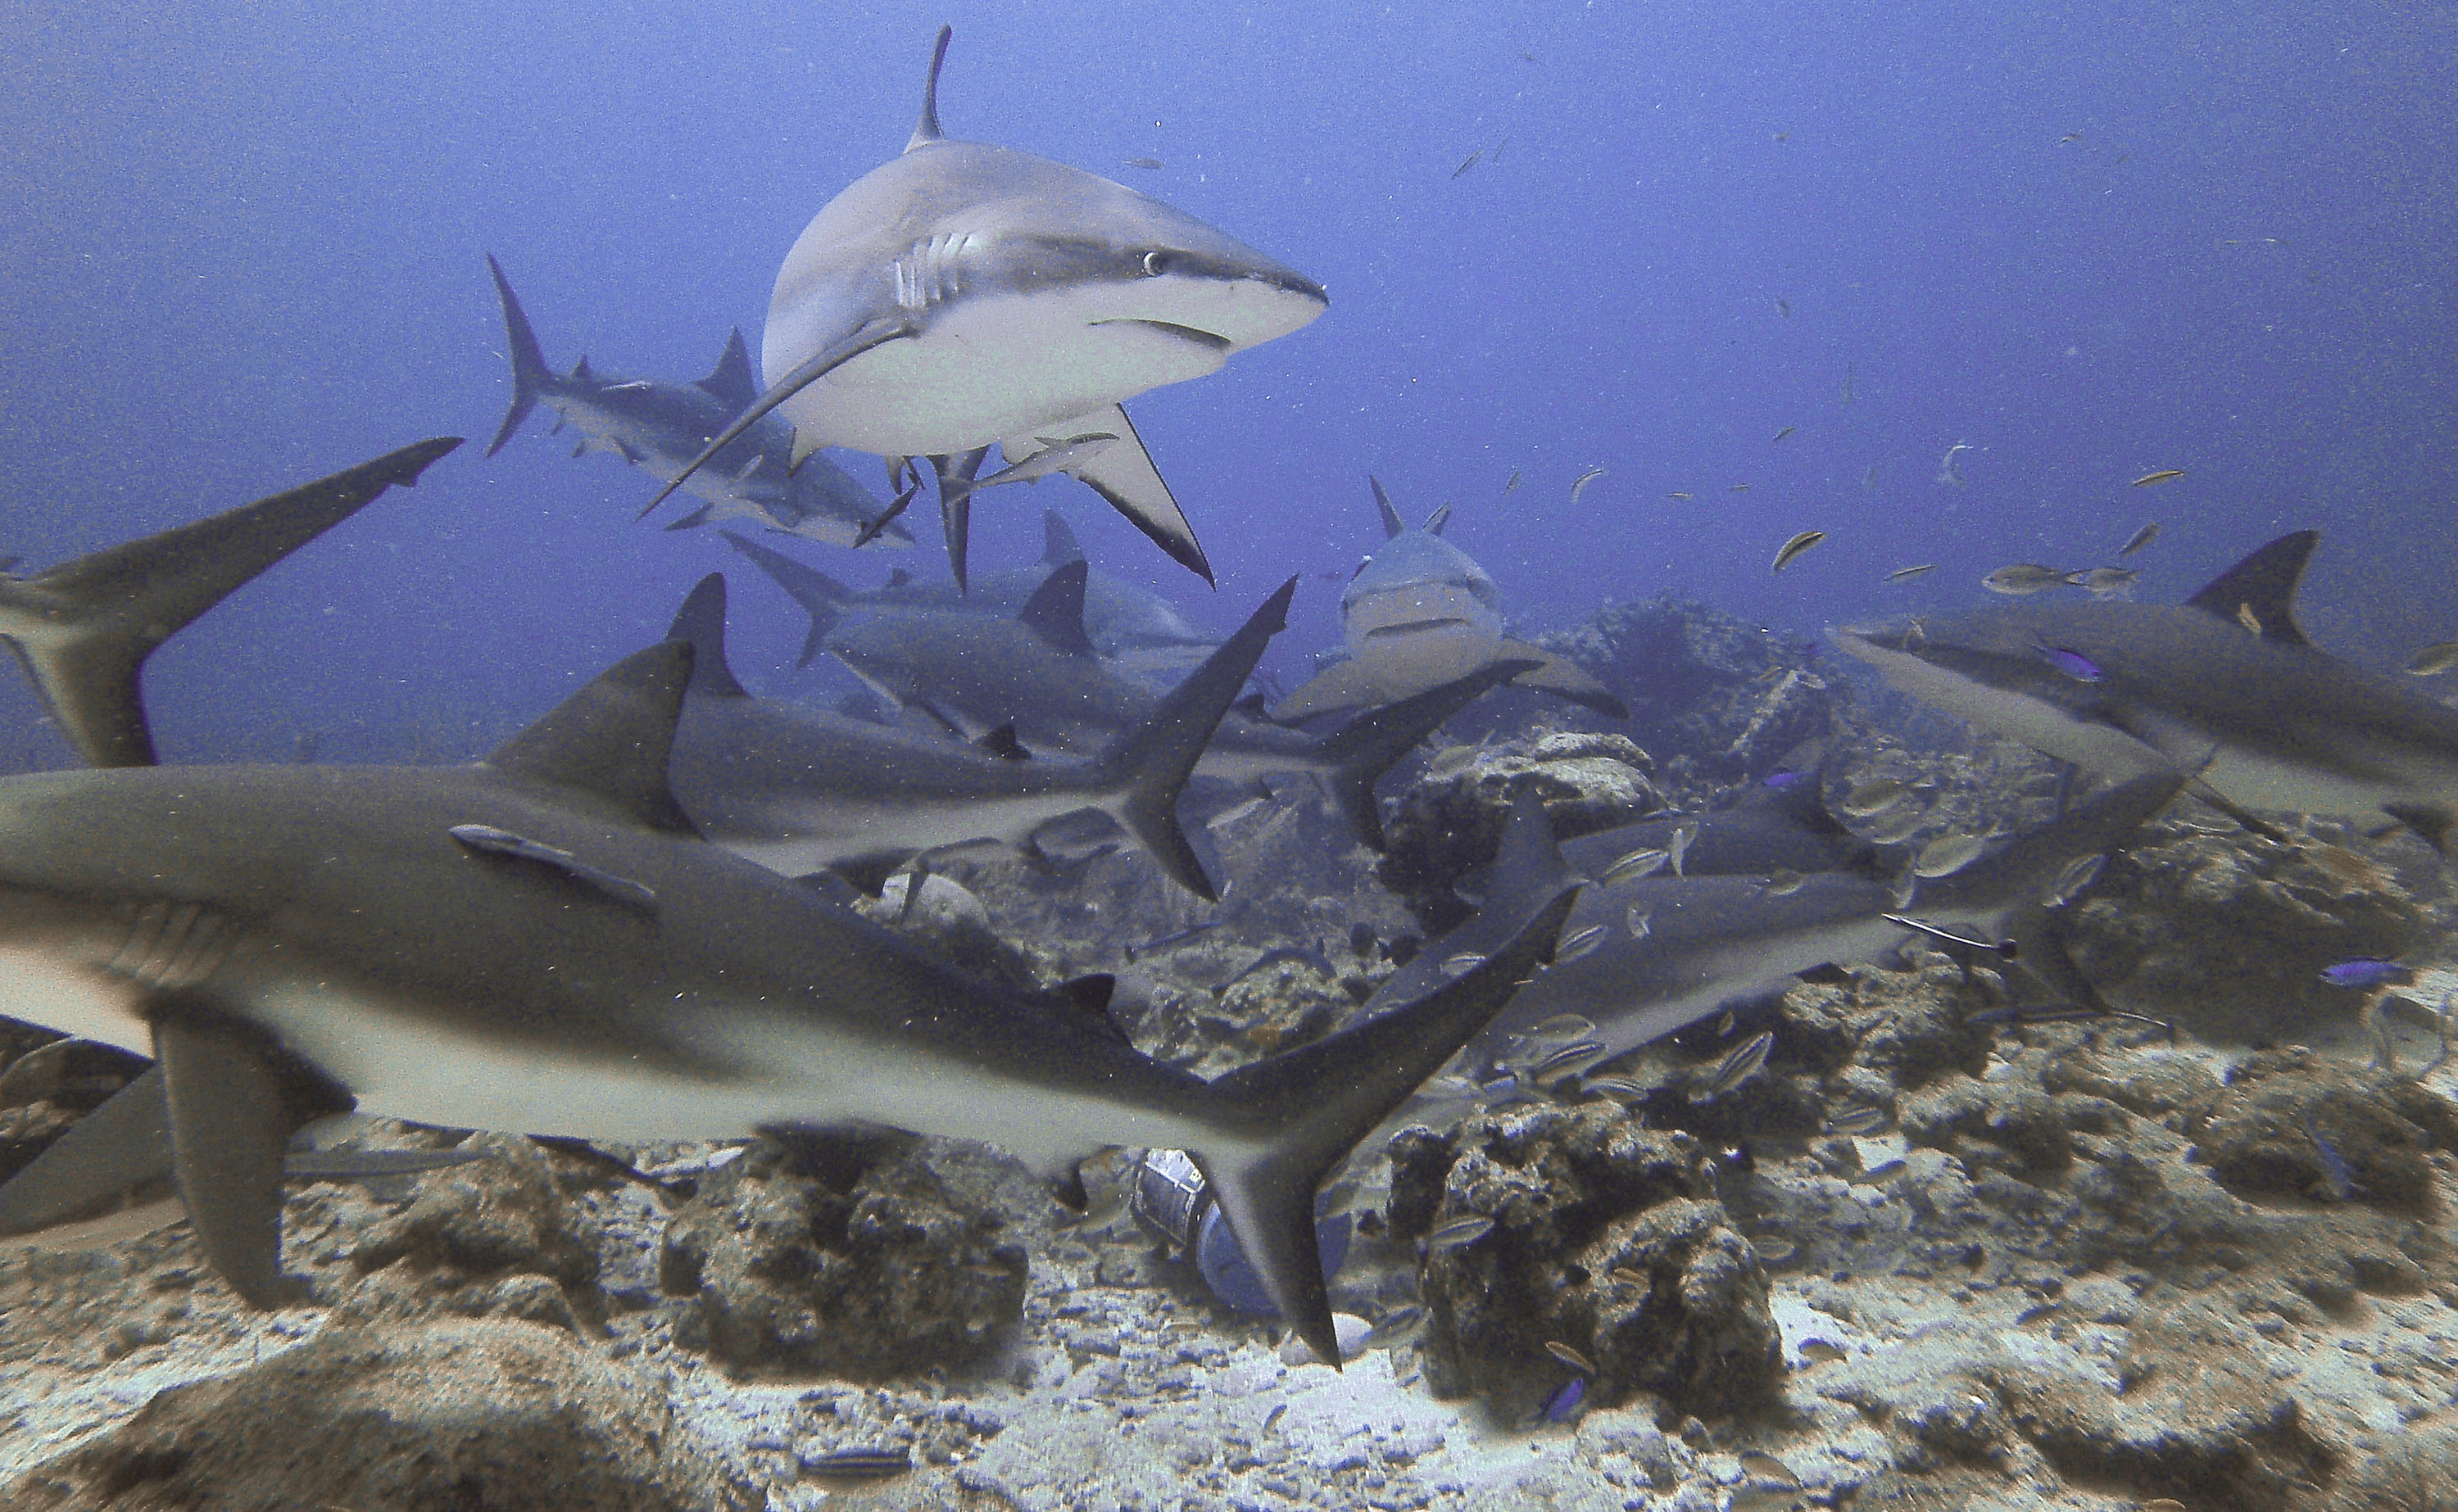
[(2223, 688), (963, 295), (1646, 959), (541, 943), (661, 427), (1421, 611)]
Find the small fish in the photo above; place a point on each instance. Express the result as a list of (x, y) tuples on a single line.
[(1228, 816), (1581, 486), (1569, 1059), (2069, 137), (1272, 1419), (1563, 1026), (1472, 159), (1782, 883), (1513, 482), (1795, 547), (1902, 572), (1773, 1251), (2163, 475), (1899, 825), (1564, 1404), (1740, 488), (1860, 1118), (1620, 1088), (1848, 384), (1683, 835), (2246, 617), (1450, 760), (1459, 1233), (2139, 539), (1945, 936), (1640, 923), (2104, 582), (1785, 431), (2023, 577), (2078, 874), (1677, 496), (2363, 971), (1767, 1467), (1869, 479), (1948, 854), (1570, 1356), (1494, 153), (493, 841), (2340, 1175), (2073, 663), (1873, 798), (1636, 865), (1153, 163), (1742, 1064), (1624, 1276), (1461, 964), (1582, 943), (1818, 1351), (859, 1464), (1175, 938), (1783, 307), (1725, 1025), (1948, 475), (2434, 660)]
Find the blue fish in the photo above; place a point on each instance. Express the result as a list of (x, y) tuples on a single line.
[(2364, 971), (2341, 1176), (1564, 1403), (1785, 782), (2073, 663)]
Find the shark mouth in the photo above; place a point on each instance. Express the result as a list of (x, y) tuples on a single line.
[(1418, 626), (1190, 334)]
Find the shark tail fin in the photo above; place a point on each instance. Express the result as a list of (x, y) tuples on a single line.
[(84, 629), (530, 376), (1352, 756), (701, 621), (1145, 768), (1291, 1119), (820, 596)]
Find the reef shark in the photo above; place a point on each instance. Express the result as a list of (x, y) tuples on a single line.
[(659, 427), (1118, 615), (1671, 951), (963, 294), (1037, 675), (799, 790), (1421, 611), (540, 942), (2223, 688), (83, 629)]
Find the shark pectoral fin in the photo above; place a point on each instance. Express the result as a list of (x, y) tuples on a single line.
[(877, 332), (2433, 822), (614, 739), (1055, 611), (118, 1145), (1342, 685), (1352, 757), (1300, 1114), (231, 1124), (1123, 474), (1563, 679)]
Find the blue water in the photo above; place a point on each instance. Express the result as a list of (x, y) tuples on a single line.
[(242, 247)]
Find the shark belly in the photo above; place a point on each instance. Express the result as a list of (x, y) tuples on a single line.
[(2042, 726), (990, 366)]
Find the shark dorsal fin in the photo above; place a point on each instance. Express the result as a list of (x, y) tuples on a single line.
[(1055, 611), (1435, 521), (925, 130), (613, 738), (701, 622), (1391, 524), (732, 384), (580, 373), (1058, 543), (2264, 584)]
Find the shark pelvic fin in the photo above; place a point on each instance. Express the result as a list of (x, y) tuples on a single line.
[(611, 739), (1055, 611), (2264, 584), (231, 1120), (1305, 1110), (820, 596), (1123, 474), (701, 622), (84, 629), (731, 384), (1392, 524), (530, 376), (927, 130), (2431, 823)]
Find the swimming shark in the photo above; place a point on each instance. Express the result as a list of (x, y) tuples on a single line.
[(799, 790), (659, 427), (1421, 611), (1037, 673), (2224, 688), (83, 629), (963, 295), (1118, 615), (540, 942), (1672, 952)]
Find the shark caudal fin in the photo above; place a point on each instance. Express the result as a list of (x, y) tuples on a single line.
[(820, 596), (1141, 772), (1288, 1121), (1352, 757), (84, 629), (530, 376)]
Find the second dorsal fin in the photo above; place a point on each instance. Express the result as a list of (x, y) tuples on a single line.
[(611, 739), (1055, 611), (2263, 585)]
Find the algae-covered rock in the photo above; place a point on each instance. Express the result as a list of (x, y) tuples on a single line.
[(2292, 1121)]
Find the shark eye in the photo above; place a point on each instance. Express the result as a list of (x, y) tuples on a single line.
[(1156, 263)]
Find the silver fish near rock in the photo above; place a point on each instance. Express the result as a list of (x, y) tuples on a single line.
[(1947, 855)]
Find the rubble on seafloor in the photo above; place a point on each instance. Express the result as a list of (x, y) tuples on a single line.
[(1919, 1258)]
